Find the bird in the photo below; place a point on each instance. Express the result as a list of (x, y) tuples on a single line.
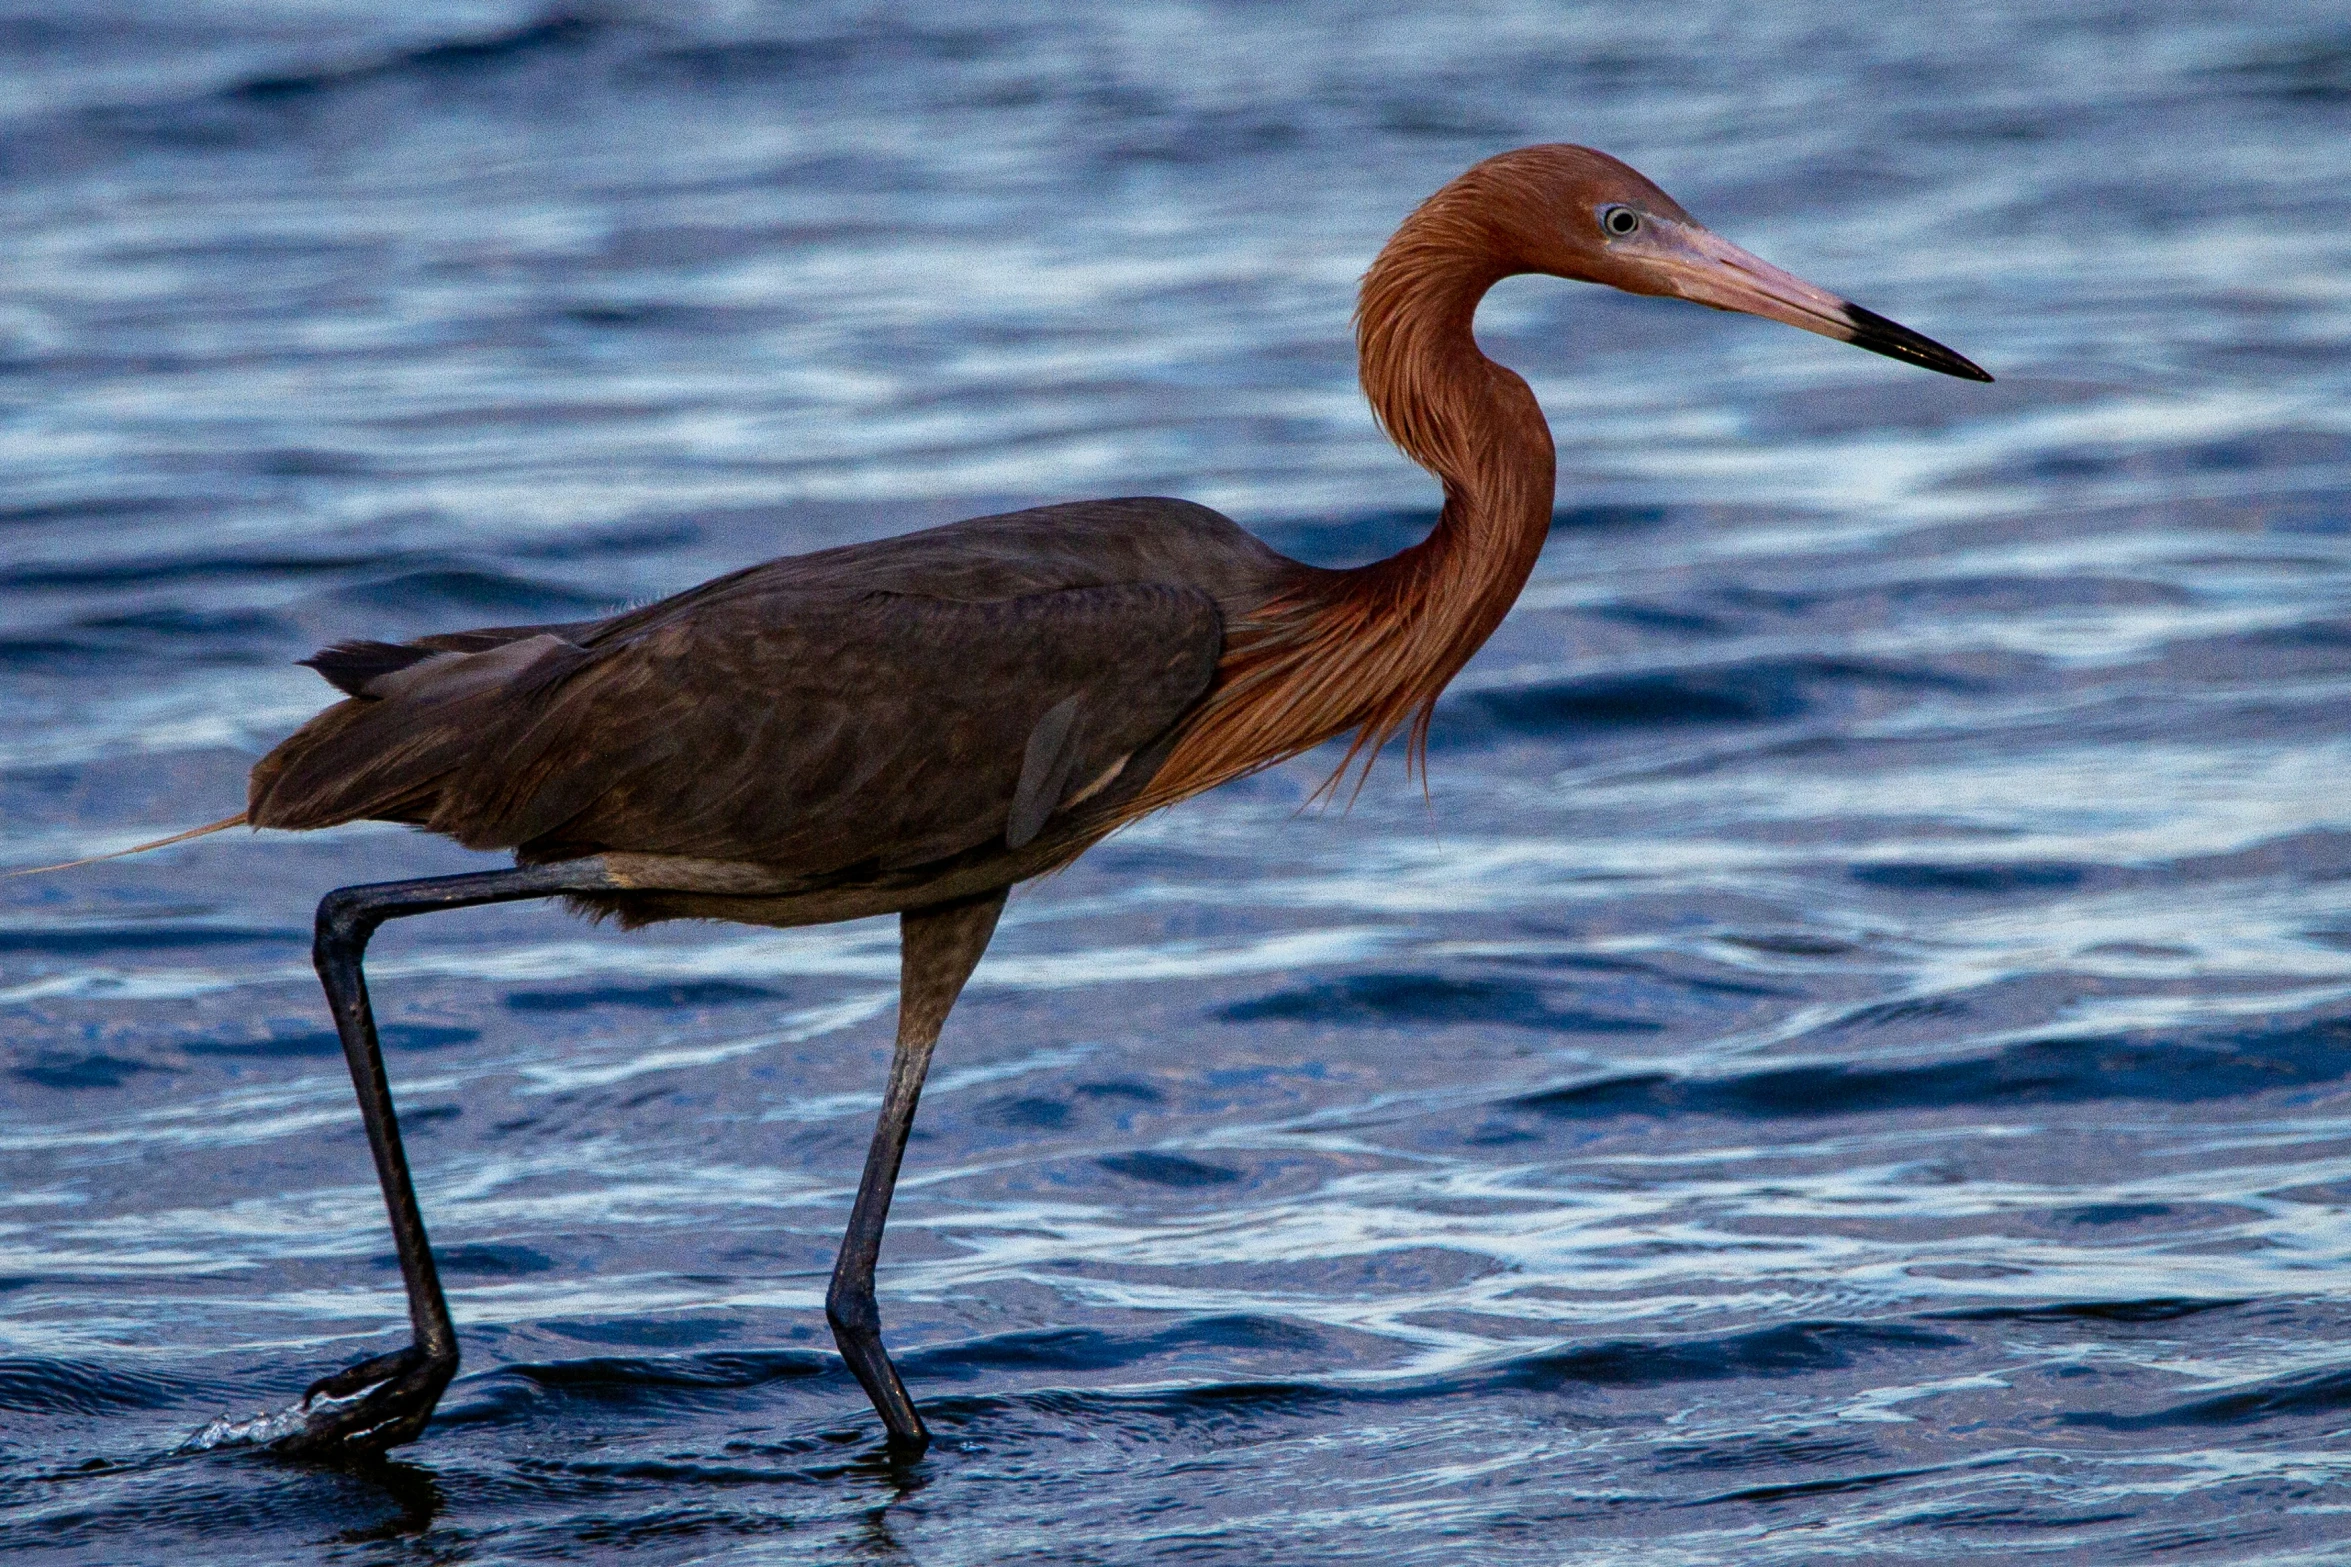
[(913, 725)]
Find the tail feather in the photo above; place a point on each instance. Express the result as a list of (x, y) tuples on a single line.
[(223, 825), (415, 714), (350, 666), (389, 753)]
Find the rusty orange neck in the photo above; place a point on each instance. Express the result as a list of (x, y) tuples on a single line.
[(1369, 649)]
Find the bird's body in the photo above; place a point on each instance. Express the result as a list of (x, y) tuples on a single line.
[(872, 726), (916, 724)]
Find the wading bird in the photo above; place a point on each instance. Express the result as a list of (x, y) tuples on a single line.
[(912, 726)]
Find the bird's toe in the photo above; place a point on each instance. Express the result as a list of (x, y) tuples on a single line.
[(396, 1394)]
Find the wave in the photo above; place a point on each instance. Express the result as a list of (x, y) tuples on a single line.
[(2308, 1393), (2040, 1072), (2159, 1309), (394, 1036), (1168, 1169), (735, 1379), (454, 57), (470, 590), (1401, 1000), (1973, 877), (97, 1069), (1749, 691), (85, 939), (584, 49), (688, 993), (30, 1385), (156, 567)]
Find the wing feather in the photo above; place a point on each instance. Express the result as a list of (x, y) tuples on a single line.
[(816, 735)]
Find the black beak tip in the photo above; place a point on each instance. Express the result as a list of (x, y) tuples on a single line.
[(1896, 341)]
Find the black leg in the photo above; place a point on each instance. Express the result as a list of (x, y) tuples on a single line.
[(401, 1387), (939, 947)]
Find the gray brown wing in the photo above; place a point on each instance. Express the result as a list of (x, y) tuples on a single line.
[(816, 737)]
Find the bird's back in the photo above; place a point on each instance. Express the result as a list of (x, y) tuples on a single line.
[(869, 708), (1046, 549)]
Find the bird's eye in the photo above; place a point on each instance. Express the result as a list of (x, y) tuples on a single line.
[(1619, 220)]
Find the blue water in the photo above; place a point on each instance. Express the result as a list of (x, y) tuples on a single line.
[(1851, 1060)]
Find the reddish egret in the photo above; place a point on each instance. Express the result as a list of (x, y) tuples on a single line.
[(911, 726)]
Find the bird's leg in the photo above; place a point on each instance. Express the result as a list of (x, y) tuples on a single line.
[(938, 948), (404, 1385)]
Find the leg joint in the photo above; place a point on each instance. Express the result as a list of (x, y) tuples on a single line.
[(853, 1311), (346, 918)]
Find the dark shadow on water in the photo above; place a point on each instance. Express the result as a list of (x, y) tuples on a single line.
[(692, 993), (649, 1332), (2019, 877), (2116, 1212), (2052, 1071), (1751, 691), (395, 1036), (139, 938), (52, 1069), (1794, 1349), (1027, 1112), (1401, 1000), (480, 1261), (2159, 1309), (1603, 702), (470, 590), (2313, 72), (1167, 1169), (2324, 1393), (100, 511), (44, 653), (456, 57), (1138, 1093)]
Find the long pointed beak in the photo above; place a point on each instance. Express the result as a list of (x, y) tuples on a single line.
[(1694, 264)]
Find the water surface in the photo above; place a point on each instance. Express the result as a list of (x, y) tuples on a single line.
[(1850, 1058)]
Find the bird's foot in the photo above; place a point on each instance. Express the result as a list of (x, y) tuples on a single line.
[(364, 1409)]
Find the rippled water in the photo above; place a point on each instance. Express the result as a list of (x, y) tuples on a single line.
[(1851, 1061)]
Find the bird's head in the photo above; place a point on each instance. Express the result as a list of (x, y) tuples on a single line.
[(1576, 213)]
